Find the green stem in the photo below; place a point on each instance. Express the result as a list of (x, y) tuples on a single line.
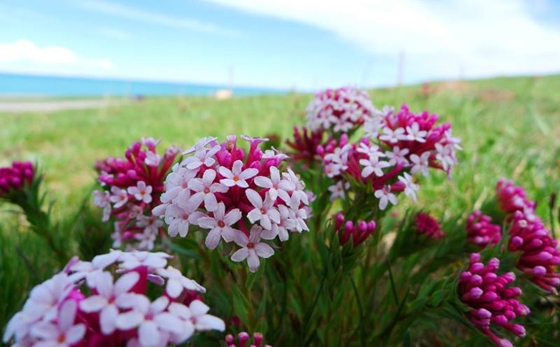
[(361, 312)]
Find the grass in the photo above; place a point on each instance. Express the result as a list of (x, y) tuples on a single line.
[(510, 128)]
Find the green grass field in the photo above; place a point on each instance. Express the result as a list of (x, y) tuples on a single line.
[(510, 127)]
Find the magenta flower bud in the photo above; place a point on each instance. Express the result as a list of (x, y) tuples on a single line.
[(476, 267), (515, 242), (243, 338), (258, 339), (482, 313), (518, 330), (476, 280), (490, 277), (230, 340), (500, 320), (362, 227), (474, 293), (339, 220)]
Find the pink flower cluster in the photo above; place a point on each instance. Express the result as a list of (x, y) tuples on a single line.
[(339, 110), (375, 170), (131, 189), (416, 138), (540, 255), (407, 144), (14, 178), (481, 231), (490, 300), (428, 225), (88, 305), (243, 338), (347, 230), (238, 197)]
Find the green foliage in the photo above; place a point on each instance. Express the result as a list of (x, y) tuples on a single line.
[(397, 288)]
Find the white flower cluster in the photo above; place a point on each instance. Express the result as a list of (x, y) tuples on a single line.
[(86, 303), (339, 110), (236, 197)]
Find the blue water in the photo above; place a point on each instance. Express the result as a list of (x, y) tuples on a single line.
[(36, 85)]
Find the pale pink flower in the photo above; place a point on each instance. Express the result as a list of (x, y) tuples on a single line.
[(119, 196), (64, 332), (252, 248), (237, 176), (102, 200), (176, 282), (204, 190), (420, 163), (141, 192), (106, 301), (220, 225), (264, 211), (385, 196)]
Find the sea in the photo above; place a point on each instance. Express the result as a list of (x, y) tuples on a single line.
[(22, 85)]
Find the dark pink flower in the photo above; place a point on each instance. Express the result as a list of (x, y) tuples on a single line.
[(428, 225), (132, 187), (481, 231), (491, 302), (348, 230), (243, 338), (14, 178)]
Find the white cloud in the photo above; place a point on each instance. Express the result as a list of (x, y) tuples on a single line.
[(481, 37), (139, 15), (27, 52)]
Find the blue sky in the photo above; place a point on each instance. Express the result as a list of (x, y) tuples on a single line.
[(298, 44)]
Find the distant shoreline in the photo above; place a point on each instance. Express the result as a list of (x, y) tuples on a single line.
[(46, 105), (65, 86)]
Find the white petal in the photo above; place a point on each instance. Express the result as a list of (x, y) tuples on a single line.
[(264, 250), (254, 198), (67, 314), (93, 303), (149, 334), (208, 322), (198, 308), (126, 282), (75, 333), (174, 288), (210, 202), (240, 255), (160, 304), (167, 321), (253, 261), (107, 319), (129, 320), (213, 238)]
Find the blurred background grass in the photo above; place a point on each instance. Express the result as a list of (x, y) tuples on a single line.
[(510, 127)]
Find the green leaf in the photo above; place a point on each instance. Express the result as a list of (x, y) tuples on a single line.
[(189, 253), (406, 340), (254, 275), (241, 305)]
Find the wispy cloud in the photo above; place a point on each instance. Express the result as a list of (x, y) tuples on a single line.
[(140, 15), (114, 33), (482, 37), (25, 51)]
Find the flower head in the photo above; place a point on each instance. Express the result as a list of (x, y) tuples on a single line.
[(112, 308), (481, 231), (490, 301), (428, 225), (131, 189), (235, 196), (339, 110)]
